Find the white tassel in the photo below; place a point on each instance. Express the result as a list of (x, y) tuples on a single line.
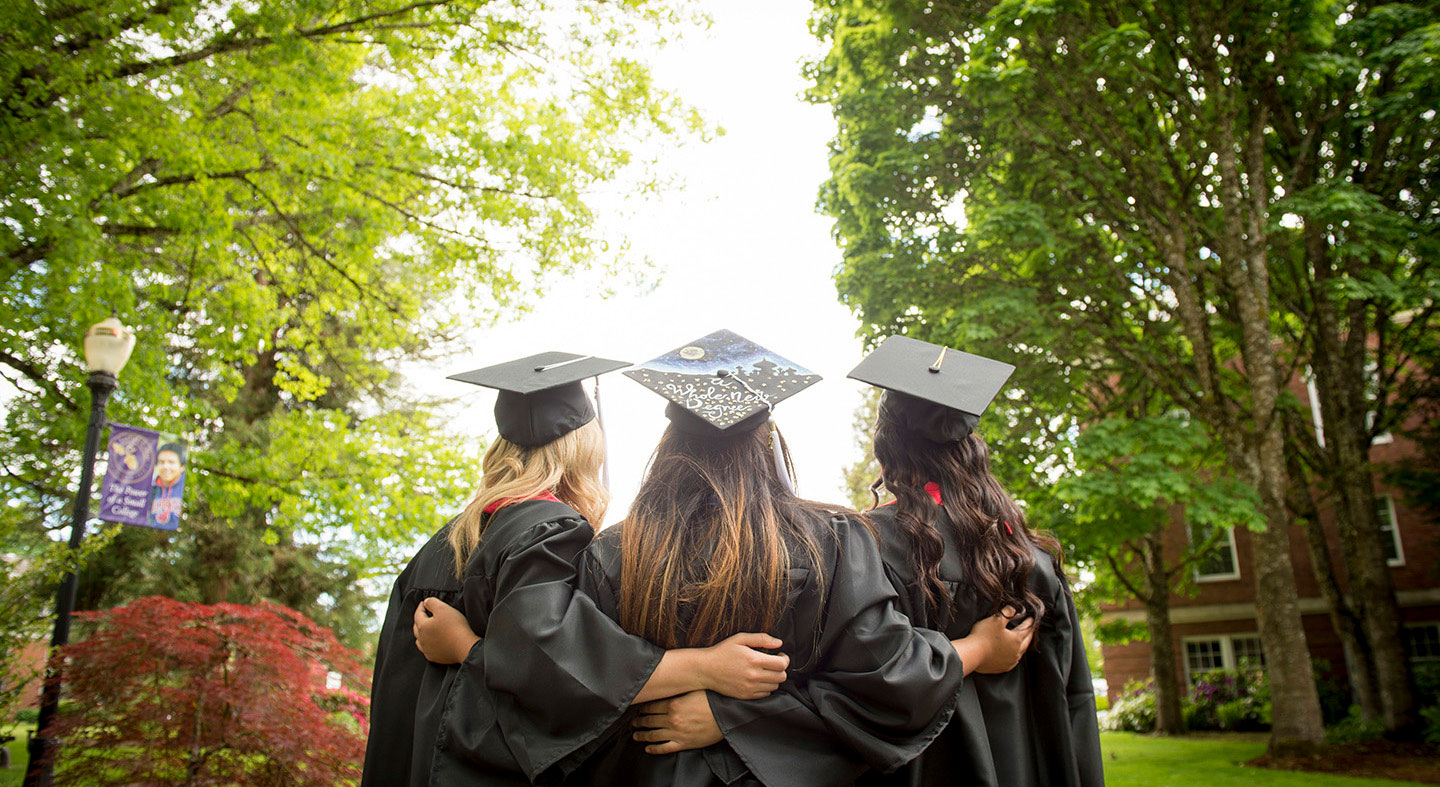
[(779, 455)]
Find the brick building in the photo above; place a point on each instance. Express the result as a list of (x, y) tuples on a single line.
[(1216, 628)]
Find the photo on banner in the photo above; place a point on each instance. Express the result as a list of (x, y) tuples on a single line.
[(144, 478)]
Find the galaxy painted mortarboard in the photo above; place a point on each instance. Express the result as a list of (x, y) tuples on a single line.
[(722, 383), (935, 391), (540, 397)]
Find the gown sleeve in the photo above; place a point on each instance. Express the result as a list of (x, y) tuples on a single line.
[(398, 670), (558, 671), (881, 688)]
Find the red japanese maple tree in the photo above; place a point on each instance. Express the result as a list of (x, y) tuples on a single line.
[(172, 693)]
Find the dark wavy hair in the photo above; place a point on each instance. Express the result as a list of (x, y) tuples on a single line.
[(995, 545), (711, 530)]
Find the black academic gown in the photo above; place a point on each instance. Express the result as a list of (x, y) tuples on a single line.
[(549, 676), (1034, 725), (864, 687), (399, 666)]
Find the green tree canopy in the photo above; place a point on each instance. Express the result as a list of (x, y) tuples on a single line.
[(1202, 198), (286, 200)]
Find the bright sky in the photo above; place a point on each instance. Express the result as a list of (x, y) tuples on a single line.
[(738, 245)]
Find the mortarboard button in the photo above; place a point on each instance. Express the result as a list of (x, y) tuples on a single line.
[(722, 379), (931, 383)]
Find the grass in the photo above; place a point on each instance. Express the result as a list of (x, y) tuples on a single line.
[(15, 774), (1212, 760)]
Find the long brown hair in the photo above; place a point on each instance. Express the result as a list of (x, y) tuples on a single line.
[(568, 467), (711, 529), (995, 545)]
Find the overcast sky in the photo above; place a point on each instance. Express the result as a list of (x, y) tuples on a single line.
[(738, 245)]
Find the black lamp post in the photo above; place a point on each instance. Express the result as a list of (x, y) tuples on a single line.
[(107, 348)]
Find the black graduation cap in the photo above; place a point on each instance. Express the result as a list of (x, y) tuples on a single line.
[(540, 397), (934, 390), (722, 381)]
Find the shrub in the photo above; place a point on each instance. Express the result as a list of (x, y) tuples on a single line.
[(168, 692), (1427, 683), (1431, 717), (1335, 699), (1354, 728), (1134, 711), (1229, 700), (1102, 702)]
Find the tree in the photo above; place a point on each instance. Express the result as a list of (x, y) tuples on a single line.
[(1133, 479), (863, 471), (1099, 183), (287, 201), (173, 693), (22, 623)]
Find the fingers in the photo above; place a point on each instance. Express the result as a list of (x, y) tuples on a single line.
[(652, 721), (757, 641), (653, 736), (771, 676), (1009, 612), (669, 747), (758, 692), (657, 707), (774, 663)]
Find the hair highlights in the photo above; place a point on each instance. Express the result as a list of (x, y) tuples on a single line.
[(568, 467), (995, 546), (711, 531)]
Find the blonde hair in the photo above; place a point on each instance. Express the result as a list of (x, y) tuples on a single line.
[(568, 467)]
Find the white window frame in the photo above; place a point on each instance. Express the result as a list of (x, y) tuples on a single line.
[(1224, 649), (1234, 560), (1227, 650), (1425, 625), (1319, 421), (1399, 559), (1315, 407)]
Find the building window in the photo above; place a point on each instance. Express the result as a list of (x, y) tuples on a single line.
[(1203, 655), (1220, 564), (1222, 651), (1422, 641), (1385, 512), (1249, 654)]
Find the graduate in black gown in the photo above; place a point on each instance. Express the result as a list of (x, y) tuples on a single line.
[(545, 671), (717, 542), (956, 548)]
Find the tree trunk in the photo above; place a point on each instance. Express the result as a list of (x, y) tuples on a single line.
[(1340, 380), (1348, 628), (1244, 267), (1168, 718)]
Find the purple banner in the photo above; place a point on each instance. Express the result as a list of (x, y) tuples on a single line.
[(129, 474)]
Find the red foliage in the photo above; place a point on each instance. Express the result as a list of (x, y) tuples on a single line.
[(172, 693)]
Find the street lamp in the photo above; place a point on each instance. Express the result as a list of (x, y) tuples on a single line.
[(107, 347)]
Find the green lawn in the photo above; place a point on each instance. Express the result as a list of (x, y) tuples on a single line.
[(1210, 760), (15, 774)]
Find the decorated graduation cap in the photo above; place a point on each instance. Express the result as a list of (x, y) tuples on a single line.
[(540, 396), (935, 391), (722, 383)]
